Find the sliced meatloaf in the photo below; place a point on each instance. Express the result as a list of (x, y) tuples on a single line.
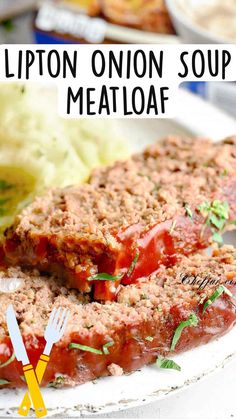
[(166, 201), (138, 327)]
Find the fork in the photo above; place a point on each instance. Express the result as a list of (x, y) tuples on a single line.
[(54, 331)]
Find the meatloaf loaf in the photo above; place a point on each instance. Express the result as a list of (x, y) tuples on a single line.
[(141, 324), (131, 217)]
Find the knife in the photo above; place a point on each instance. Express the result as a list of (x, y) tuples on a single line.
[(21, 355)]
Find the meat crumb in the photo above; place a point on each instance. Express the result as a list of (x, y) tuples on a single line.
[(115, 370)]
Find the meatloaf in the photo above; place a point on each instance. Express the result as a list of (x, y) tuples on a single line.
[(131, 217), (141, 324)]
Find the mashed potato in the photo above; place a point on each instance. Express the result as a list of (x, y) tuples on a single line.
[(215, 16), (40, 149)]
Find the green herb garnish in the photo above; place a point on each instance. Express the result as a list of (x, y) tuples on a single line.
[(59, 380), (191, 321), (188, 211), (167, 364), (149, 338), (216, 214), (132, 266), (9, 361), (106, 346), (104, 277), (216, 294), (3, 382), (216, 237), (85, 348), (108, 277)]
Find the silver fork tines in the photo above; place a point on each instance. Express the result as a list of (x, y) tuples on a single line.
[(56, 327)]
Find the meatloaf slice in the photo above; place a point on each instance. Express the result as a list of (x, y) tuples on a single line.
[(146, 208), (138, 327)]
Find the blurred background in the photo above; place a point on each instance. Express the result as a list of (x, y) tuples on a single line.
[(126, 21)]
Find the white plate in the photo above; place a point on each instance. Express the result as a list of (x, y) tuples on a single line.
[(122, 34), (189, 31), (149, 384)]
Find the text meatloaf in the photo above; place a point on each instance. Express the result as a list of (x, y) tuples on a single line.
[(145, 209), (139, 326)]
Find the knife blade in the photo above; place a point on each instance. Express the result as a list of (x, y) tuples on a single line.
[(16, 338), (21, 355)]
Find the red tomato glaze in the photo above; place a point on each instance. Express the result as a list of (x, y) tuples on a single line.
[(160, 245)]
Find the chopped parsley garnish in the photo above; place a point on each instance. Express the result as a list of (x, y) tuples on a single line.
[(106, 346), (216, 294), (3, 382), (167, 364), (191, 321), (9, 361), (188, 211), (233, 222), (172, 228), (85, 348), (58, 382), (104, 277), (216, 237), (149, 338), (108, 277), (132, 266), (216, 214)]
